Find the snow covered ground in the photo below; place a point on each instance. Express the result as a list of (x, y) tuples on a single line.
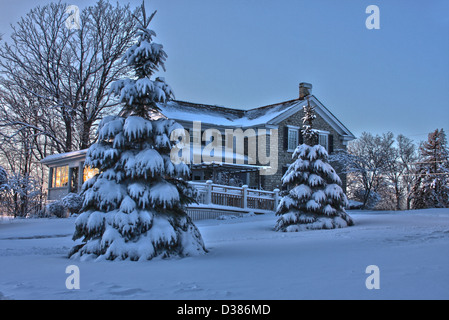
[(246, 260)]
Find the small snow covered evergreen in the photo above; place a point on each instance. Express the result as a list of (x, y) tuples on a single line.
[(134, 208), (315, 199)]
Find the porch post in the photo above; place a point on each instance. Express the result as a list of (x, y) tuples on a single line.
[(245, 196), (276, 198), (80, 176), (69, 184), (208, 191)]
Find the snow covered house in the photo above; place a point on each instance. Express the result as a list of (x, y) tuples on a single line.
[(284, 119), (225, 128)]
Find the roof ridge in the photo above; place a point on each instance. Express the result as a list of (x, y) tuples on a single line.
[(274, 104), (236, 109), (207, 105)]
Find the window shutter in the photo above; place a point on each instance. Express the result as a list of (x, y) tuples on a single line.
[(331, 143), (285, 138), (300, 137)]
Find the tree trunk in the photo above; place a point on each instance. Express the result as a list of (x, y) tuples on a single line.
[(85, 135)]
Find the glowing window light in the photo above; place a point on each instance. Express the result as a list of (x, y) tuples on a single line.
[(89, 173)]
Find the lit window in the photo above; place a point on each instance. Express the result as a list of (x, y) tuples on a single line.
[(60, 177), (89, 173), (292, 139)]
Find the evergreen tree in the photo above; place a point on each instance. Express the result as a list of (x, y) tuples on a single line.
[(309, 134), (3, 182), (315, 199), (3, 177), (134, 208), (431, 189)]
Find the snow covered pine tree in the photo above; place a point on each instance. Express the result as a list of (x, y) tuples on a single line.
[(431, 188), (315, 199), (134, 208)]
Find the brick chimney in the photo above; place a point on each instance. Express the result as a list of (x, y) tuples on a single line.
[(305, 89)]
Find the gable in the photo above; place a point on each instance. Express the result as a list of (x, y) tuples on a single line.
[(321, 110)]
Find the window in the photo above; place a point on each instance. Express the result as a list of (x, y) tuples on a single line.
[(60, 177), (292, 139), (89, 173), (323, 139)]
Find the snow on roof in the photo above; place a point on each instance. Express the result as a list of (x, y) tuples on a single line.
[(222, 116), (63, 156), (229, 117), (264, 115), (187, 111)]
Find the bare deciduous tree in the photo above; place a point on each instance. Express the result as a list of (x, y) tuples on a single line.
[(68, 71), (365, 162), (54, 83)]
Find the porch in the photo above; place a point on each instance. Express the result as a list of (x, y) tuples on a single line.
[(216, 200)]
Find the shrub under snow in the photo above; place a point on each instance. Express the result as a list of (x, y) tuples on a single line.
[(56, 209), (73, 202)]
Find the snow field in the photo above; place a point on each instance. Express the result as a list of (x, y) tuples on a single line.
[(246, 260)]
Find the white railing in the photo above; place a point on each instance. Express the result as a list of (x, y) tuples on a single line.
[(236, 197)]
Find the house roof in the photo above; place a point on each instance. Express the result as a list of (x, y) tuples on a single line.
[(262, 116), (66, 157), (270, 115), (187, 111)]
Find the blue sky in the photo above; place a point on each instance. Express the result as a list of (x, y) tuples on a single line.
[(250, 53)]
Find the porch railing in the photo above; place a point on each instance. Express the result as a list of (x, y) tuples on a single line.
[(236, 197)]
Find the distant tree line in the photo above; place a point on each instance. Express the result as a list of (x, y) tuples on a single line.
[(393, 173)]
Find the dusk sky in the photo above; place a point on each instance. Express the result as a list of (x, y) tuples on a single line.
[(247, 53)]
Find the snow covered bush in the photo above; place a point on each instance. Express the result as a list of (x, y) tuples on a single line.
[(21, 195), (56, 209), (135, 207), (73, 202), (354, 205)]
